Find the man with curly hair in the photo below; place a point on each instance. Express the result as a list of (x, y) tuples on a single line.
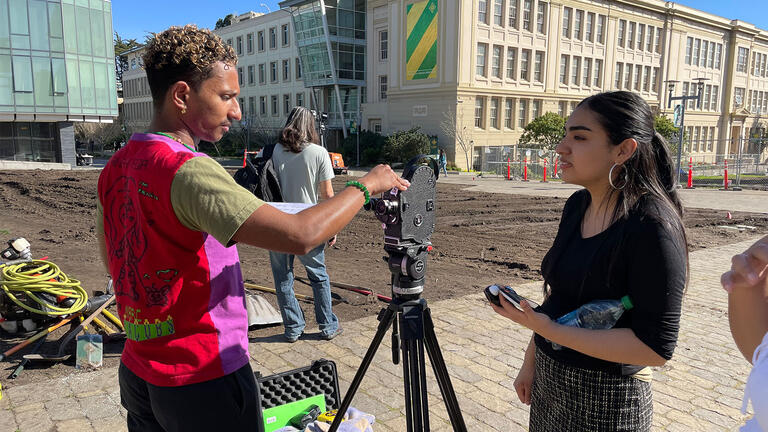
[(168, 218)]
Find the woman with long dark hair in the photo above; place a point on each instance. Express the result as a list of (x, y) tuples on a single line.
[(622, 235)]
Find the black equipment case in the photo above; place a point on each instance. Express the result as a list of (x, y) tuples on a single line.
[(298, 384)]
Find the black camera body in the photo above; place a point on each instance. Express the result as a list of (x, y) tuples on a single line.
[(409, 221)]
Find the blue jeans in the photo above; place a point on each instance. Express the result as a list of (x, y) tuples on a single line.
[(444, 168), (293, 317)]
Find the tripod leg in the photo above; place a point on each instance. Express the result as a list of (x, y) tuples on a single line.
[(384, 322), (441, 373)]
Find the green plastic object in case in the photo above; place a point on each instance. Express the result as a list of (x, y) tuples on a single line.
[(280, 416)]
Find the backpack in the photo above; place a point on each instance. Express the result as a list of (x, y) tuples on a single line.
[(260, 176)]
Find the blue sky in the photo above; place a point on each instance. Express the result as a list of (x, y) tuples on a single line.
[(134, 18)]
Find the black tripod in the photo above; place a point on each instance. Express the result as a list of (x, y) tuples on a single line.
[(417, 330)]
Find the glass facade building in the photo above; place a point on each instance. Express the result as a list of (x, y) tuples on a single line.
[(331, 40), (57, 66)]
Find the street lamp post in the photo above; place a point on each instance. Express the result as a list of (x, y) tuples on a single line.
[(684, 99)]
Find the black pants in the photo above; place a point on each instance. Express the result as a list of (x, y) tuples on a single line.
[(227, 403)]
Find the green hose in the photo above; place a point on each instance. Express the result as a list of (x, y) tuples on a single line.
[(37, 276)]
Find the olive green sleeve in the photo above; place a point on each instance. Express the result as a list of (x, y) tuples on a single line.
[(206, 198)]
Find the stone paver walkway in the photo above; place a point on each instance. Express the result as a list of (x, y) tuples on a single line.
[(700, 389)]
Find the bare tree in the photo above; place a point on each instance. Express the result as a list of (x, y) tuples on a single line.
[(453, 126), (100, 133)]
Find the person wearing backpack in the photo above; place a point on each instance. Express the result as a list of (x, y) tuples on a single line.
[(304, 170)]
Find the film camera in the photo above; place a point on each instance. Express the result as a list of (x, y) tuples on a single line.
[(409, 221)]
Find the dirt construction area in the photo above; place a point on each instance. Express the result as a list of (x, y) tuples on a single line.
[(480, 238)]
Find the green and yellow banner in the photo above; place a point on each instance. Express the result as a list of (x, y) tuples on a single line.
[(421, 45)]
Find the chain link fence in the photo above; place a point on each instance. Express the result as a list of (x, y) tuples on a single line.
[(747, 169)]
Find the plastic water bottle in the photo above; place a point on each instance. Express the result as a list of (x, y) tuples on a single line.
[(599, 314)]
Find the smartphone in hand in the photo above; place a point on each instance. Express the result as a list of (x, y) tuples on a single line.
[(492, 294)]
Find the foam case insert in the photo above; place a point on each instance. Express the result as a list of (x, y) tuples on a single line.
[(297, 384)]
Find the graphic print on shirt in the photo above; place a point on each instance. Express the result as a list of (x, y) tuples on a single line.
[(128, 241), (157, 294)]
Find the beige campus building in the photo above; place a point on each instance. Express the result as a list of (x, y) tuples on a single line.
[(501, 63)]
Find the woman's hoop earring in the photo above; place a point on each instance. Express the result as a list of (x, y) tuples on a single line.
[(610, 177)]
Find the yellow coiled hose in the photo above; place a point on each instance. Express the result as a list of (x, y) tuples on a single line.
[(36, 276)]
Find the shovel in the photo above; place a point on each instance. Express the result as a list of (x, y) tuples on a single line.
[(60, 356)]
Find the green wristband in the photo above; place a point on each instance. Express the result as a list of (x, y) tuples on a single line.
[(362, 187)]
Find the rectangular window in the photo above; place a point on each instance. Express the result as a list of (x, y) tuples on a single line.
[(562, 106), (522, 115), (299, 99), (286, 36), (251, 106), (588, 29), (707, 97), (541, 17), (704, 49), (242, 104), (597, 76), (251, 74), (628, 76), (715, 100), (273, 39), (240, 76), (575, 70), (525, 58), (383, 45), (482, 11), (763, 65), (513, 13), (273, 71), (640, 36), (260, 40), (511, 63), (649, 39), (22, 74), (567, 22), (498, 12), (622, 30), (564, 69), (263, 105), (479, 111), (585, 73), (631, 36), (482, 50), (239, 45), (696, 50), (577, 21), (619, 69), (657, 41), (718, 55), (686, 87), (275, 109), (496, 61), (601, 29), (298, 68), (508, 108), (286, 104), (249, 42), (494, 113), (688, 50), (382, 87), (741, 62), (537, 66), (647, 79), (535, 109), (697, 138), (527, 4), (711, 142), (711, 56), (262, 74), (286, 70)]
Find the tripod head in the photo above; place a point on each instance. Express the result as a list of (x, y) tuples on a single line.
[(409, 220)]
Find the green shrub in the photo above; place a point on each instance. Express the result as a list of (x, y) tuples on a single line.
[(401, 146), (371, 148)]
